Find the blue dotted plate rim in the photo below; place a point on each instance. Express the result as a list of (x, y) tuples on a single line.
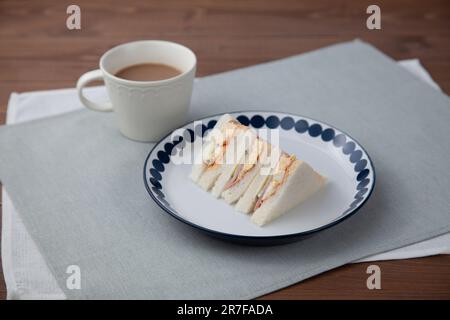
[(360, 199)]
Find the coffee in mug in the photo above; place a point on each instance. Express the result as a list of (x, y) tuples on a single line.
[(148, 72), (149, 84)]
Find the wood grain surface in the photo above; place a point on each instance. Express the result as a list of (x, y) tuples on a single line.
[(38, 52)]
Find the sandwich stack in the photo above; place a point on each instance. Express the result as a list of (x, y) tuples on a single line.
[(243, 169)]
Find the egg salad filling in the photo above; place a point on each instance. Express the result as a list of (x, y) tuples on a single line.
[(214, 151)]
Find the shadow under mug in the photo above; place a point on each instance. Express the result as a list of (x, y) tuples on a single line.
[(145, 110)]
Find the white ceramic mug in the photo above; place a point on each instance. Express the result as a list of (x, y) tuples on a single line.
[(145, 110)]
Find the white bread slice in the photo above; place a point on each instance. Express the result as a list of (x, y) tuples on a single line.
[(252, 168), (301, 184), (231, 195), (244, 142), (248, 200), (199, 167), (233, 151)]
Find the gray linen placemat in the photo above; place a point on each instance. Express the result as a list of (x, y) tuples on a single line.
[(77, 183)]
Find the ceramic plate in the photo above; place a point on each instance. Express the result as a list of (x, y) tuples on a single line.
[(333, 153)]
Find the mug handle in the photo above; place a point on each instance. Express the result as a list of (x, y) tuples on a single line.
[(82, 82)]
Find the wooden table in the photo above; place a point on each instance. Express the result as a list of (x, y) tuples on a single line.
[(38, 52)]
